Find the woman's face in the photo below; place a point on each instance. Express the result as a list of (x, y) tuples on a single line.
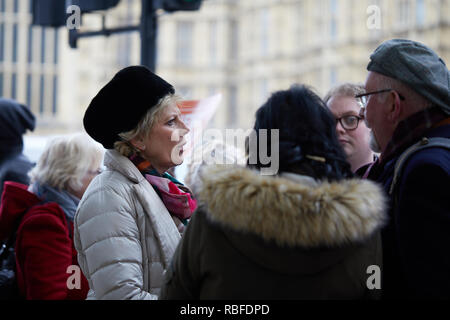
[(93, 171), (354, 142), (163, 146)]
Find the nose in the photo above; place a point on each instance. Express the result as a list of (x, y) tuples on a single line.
[(184, 129), (181, 130), (339, 128)]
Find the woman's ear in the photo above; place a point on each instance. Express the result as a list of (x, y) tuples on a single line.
[(138, 143)]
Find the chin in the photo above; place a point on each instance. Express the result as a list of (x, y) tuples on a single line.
[(348, 151), (179, 161)]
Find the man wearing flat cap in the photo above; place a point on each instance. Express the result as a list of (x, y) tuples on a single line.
[(407, 106)]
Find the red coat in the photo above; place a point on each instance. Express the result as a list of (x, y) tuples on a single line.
[(44, 246)]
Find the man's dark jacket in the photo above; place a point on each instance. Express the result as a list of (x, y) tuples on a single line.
[(416, 241)]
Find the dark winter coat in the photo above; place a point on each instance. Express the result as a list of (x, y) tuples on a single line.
[(44, 246), (416, 241), (15, 167), (288, 237), (15, 120)]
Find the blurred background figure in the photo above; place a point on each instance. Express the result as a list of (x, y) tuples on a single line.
[(44, 212), (211, 152), (311, 232), (15, 120), (352, 132)]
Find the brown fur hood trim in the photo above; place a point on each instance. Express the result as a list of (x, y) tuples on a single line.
[(291, 212)]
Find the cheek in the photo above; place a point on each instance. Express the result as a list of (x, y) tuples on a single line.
[(157, 142), (167, 135), (371, 115), (352, 135), (161, 149), (361, 136), (86, 181), (160, 144)]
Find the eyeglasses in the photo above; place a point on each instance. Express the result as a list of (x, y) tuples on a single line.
[(349, 122), (364, 97)]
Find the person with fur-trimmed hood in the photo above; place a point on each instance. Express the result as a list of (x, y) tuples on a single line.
[(309, 232)]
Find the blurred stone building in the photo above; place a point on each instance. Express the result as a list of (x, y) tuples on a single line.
[(247, 49), (244, 49)]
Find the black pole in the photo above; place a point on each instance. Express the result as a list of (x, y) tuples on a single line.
[(148, 34), (74, 35)]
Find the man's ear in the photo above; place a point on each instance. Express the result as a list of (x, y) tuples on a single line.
[(395, 110)]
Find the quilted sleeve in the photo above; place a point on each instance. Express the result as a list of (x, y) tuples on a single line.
[(109, 249)]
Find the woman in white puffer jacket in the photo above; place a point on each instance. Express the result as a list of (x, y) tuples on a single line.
[(131, 217)]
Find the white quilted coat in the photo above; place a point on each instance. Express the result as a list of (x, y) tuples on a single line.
[(124, 235)]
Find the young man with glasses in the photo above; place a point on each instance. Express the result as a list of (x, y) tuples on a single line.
[(407, 104), (351, 130)]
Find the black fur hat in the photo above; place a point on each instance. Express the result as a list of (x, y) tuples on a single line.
[(122, 102)]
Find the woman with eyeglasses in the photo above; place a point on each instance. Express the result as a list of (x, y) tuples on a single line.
[(41, 217), (352, 132)]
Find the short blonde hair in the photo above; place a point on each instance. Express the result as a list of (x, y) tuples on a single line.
[(345, 90), (66, 160), (124, 147)]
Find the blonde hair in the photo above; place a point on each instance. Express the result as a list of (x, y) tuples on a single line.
[(66, 160), (345, 90), (124, 147)]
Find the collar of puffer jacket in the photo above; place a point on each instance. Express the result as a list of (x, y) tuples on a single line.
[(291, 209), (117, 162)]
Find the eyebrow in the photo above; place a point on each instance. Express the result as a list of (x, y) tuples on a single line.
[(173, 114), (349, 113)]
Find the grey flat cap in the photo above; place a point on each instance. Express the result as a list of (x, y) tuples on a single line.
[(415, 65)]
